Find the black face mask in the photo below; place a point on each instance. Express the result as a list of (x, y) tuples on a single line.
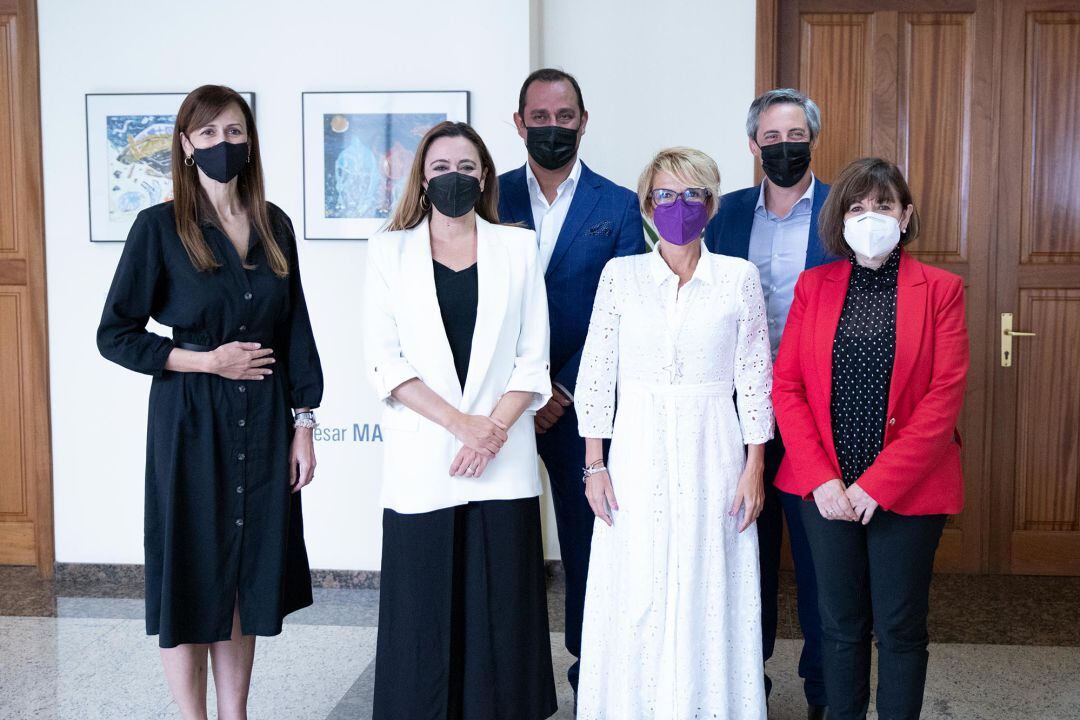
[(223, 161), (551, 146), (453, 193), (786, 162)]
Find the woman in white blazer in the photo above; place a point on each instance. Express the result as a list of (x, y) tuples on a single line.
[(456, 335)]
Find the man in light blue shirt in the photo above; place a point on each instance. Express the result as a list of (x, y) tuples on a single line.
[(778, 248), (774, 225)]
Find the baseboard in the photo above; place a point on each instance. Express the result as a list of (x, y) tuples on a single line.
[(127, 580)]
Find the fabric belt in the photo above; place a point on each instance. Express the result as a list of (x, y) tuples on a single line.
[(193, 346)]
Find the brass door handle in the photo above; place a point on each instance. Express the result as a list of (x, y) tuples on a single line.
[(1007, 334)]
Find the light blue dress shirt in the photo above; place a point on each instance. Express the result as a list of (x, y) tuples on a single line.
[(778, 248)]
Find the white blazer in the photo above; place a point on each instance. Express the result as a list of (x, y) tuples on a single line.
[(404, 338)]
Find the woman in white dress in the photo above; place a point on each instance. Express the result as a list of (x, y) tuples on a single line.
[(672, 624)]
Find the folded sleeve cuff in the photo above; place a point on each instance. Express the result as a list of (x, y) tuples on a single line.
[(531, 380), (389, 375)]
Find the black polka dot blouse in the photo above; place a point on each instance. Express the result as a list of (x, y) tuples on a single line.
[(863, 352)]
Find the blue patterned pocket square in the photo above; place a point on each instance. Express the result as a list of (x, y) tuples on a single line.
[(601, 229)]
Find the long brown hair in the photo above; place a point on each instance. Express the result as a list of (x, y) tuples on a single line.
[(413, 208), (190, 203), (870, 176)]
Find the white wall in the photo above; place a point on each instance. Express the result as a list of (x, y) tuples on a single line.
[(278, 50), (655, 75)]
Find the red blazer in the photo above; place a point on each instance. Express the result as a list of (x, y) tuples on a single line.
[(918, 470)]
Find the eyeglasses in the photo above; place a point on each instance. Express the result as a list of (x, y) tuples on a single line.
[(691, 196)]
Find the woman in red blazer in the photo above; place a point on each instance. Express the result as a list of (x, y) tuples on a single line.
[(867, 389)]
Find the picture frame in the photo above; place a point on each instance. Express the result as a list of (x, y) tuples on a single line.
[(358, 147), (129, 157)]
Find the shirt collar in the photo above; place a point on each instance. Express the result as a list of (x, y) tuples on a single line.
[(804, 202), (661, 273), (570, 182), (882, 277)]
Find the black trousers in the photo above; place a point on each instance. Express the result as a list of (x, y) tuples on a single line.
[(463, 625), (874, 578), (781, 506), (563, 453)]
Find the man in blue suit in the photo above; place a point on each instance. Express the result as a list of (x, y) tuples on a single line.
[(581, 221), (774, 225)]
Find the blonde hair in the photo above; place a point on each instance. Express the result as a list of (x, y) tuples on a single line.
[(413, 207), (691, 166)]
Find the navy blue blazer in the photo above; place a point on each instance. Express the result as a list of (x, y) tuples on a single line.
[(728, 233), (603, 222)]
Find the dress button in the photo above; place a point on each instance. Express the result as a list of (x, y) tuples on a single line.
[(242, 389), (242, 423), (240, 456), (892, 421), (247, 296), (240, 489), (239, 522), (243, 328)]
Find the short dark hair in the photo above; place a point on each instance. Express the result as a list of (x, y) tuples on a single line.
[(864, 177), (780, 96), (549, 75)]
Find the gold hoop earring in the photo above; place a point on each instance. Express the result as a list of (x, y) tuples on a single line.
[(189, 161), (425, 204)]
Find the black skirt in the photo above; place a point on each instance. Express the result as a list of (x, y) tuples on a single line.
[(463, 625)]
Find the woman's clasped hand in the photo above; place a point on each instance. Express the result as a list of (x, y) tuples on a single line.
[(482, 437)]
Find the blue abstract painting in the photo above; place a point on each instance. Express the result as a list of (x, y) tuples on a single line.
[(139, 157), (367, 158)]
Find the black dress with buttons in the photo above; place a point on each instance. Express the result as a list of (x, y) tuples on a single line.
[(221, 525), (863, 353)]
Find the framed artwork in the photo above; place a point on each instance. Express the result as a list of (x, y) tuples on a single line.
[(129, 157), (358, 149)]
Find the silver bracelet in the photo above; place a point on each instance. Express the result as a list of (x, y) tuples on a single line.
[(592, 469), (305, 420)]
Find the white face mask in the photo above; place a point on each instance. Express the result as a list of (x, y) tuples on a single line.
[(872, 235)]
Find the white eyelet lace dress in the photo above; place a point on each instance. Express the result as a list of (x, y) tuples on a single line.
[(672, 627)]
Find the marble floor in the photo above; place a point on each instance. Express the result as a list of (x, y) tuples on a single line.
[(1005, 648)]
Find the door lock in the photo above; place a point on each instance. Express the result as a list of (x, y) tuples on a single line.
[(1007, 334)]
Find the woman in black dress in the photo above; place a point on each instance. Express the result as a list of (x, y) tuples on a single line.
[(456, 343), (225, 456)]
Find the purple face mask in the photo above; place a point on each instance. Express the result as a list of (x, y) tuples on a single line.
[(680, 223)]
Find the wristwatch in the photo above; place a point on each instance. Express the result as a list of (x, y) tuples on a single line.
[(305, 419)]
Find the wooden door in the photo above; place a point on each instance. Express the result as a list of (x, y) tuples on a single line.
[(913, 82), (1036, 411), (26, 528)]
